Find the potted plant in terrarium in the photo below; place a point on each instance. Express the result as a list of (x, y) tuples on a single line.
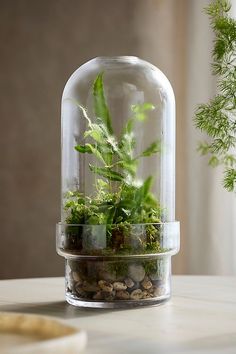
[(118, 231)]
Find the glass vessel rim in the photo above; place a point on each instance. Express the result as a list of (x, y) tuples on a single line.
[(117, 225), (125, 58)]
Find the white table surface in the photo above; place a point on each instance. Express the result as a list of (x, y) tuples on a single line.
[(200, 317)]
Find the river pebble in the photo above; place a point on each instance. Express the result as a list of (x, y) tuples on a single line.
[(105, 286), (136, 294), (117, 285), (136, 272), (122, 295)]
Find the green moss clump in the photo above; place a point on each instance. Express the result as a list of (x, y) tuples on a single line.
[(120, 268)]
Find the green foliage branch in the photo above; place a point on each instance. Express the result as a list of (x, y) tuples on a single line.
[(218, 117)]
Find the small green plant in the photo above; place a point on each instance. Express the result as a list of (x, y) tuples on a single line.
[(218, 117), (120, 198)]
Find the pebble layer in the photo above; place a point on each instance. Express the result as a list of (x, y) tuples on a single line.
[(135, 286)]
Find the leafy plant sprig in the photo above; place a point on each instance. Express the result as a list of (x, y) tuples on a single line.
[(218, 117), (120, 197)]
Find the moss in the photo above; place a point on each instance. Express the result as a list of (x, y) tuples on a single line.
[(150, 267), (157, 266), (120, 268)]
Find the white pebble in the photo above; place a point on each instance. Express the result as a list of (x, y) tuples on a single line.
[(136, 272), (159, 291)]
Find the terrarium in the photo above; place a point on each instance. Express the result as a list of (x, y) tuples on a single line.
[(118, 230)]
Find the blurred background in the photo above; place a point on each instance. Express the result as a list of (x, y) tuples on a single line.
[(42, 43)]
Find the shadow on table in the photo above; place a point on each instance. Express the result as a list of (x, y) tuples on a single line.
[(57, 309)]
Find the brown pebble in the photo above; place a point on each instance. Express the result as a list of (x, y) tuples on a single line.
[(129, 282), (108, 296), (117, 285), (146, 283), (105, 286), (122, 295), (136, 294), (90, 287)]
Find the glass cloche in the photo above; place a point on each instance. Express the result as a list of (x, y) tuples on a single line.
[(118, 230)]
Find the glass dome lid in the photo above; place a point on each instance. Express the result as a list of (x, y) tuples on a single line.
[(118, 142)]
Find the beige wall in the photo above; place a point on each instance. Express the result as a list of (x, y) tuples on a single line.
[(42, 43)]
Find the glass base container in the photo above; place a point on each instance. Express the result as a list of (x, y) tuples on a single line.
[(102, 274), (73, 300), (117, 283)]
